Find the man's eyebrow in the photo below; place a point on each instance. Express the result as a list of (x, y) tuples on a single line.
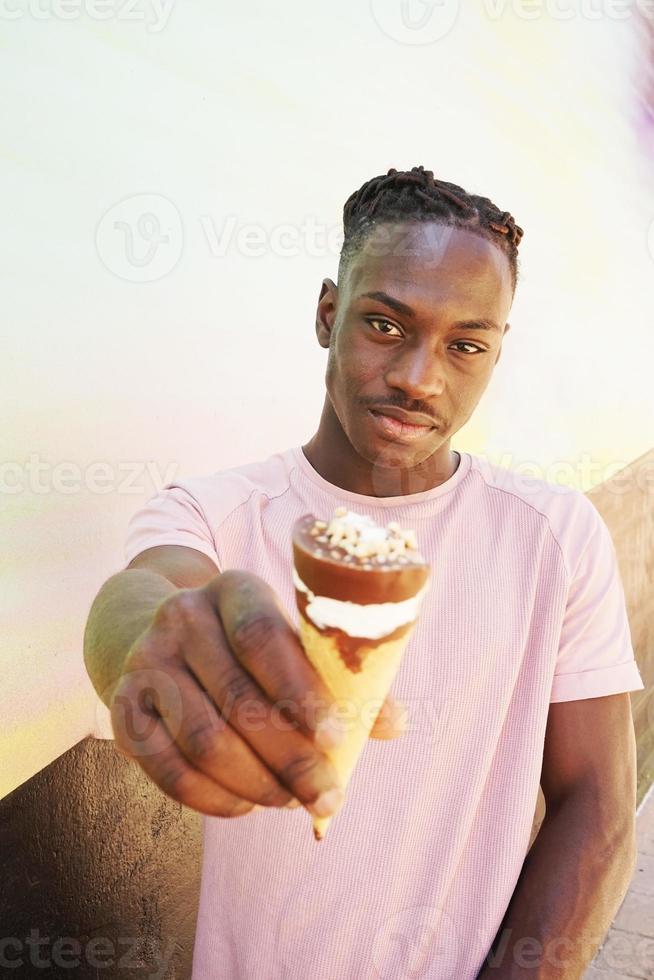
[(390, 301), (482, 323)]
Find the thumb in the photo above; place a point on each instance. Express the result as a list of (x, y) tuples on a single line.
[(391, 720)]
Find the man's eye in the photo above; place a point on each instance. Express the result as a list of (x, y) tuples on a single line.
[(386, 323), (475, 349)]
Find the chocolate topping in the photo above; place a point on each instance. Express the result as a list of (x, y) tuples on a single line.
[(375, 566)]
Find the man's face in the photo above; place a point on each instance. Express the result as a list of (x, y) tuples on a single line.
[(427, 356)]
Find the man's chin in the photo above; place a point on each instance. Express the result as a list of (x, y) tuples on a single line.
[(393, 456)]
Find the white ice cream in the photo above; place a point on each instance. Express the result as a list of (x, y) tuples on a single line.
[(371, 621)]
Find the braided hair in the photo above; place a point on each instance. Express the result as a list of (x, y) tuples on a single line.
[(416, 195)]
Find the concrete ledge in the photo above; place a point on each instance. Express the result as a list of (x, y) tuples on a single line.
[(95, 855), (626, 502)]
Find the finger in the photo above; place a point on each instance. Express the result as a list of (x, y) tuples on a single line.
[(141, 735), (391, 720), (211, 746), (298, 765), (265, 643)]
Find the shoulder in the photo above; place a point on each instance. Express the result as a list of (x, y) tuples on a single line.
[(191, 510), (572, 518), (217, 495)]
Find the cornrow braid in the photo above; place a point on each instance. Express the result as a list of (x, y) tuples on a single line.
[(416, 195)]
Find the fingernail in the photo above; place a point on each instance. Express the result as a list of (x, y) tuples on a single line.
[(330, 734), (292, 804), (327, 804)]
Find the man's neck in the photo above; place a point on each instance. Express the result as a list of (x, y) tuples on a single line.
[(340, 465)]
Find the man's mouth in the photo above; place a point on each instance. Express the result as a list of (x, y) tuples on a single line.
[(396, 429)]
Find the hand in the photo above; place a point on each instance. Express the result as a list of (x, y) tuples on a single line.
[(219, 705)]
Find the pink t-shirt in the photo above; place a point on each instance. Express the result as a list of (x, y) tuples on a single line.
[(415, 873)]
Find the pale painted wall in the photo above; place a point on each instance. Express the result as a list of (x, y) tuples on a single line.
[(205, 114)]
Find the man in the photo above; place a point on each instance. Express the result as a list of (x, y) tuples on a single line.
[(518, 672)]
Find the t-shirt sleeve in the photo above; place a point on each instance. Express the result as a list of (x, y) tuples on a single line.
[(595, 655), (171, 516)]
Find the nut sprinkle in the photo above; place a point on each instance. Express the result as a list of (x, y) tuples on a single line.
[(357, 539)]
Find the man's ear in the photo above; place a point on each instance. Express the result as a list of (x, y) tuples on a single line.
[(507, 327), (326, 311)]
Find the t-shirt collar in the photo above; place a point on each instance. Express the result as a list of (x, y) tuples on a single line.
[(364, 500)]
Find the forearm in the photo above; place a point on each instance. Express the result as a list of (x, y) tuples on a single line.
[(121, 611), (572, 884)]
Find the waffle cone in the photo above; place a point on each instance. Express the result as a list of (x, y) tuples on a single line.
[(359, 696)]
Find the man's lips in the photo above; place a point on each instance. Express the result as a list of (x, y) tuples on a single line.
[(407, 418), (397, 429)]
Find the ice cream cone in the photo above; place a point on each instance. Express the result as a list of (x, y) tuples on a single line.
[(358, 590)]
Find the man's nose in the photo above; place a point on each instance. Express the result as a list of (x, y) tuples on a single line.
[(419, 372)]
